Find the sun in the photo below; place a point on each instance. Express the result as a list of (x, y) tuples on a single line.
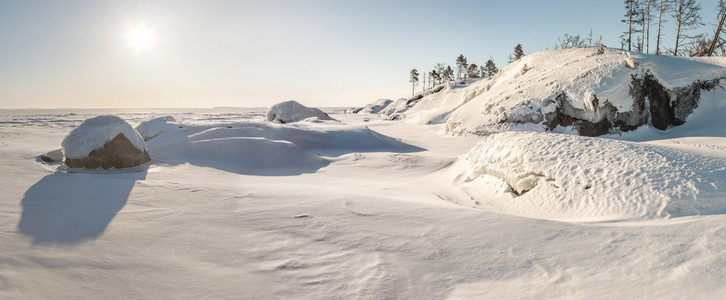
[(139, 37)]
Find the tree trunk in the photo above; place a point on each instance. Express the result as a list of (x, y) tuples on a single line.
[(678, 37), (718, 31), (647, 35), (657, 38), (630, 26), (642, 33)]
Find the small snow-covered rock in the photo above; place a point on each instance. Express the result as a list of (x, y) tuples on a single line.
[(52, 156), (104, 142), (152, 128), (292, 111)]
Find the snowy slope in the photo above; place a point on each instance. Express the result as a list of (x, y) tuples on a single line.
[(575, 88)]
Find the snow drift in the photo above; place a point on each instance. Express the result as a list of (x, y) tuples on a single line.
[(104, 142), (566, 177), (292, 111), (589, 92), (371, 108), (152, 128), (267, 148)]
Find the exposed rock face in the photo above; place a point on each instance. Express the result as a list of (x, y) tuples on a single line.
[(652, 104), (118, 153)]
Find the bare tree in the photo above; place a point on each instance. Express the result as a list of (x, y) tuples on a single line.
[(722, 15), (687, 16), (663, 6), (570, 41), (647, 20), (632, 17)]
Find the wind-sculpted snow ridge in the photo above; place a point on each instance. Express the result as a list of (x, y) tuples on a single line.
[(267, 148), (566, 177), (577, 90)]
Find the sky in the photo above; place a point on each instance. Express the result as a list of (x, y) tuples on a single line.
[(88, 54)]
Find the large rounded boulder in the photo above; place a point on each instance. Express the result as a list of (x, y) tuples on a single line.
[(104, 142), (292, 111)]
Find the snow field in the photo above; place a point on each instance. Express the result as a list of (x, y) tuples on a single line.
[(573, 178)]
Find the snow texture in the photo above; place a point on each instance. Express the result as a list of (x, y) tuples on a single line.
[(388, 213), (372, 108), (95, 132), (292, 111), (566, 177), (152, 128)]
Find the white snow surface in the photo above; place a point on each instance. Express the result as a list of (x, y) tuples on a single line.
[(375, 107), (152, 128), (95, 132), (567, 177), (523, 98), (292, 111), (233, 206)]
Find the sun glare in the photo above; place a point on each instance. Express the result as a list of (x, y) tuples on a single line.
[(139, 37)]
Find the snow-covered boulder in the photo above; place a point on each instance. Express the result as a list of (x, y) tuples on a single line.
[(152, 128), (104, 142), (373, 108), (567, 177), (292, 111), (576, 90)]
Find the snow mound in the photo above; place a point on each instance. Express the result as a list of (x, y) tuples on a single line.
[(292, 111), (268, 148), (95, 132), (248, 155), (589, 93), (566, 177), (152, 128), (372, 108)]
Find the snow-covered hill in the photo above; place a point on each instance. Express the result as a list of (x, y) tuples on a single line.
[(568, 90)]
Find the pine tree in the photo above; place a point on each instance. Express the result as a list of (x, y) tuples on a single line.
[(687, 16), (413, 80), (461, 66), (434, 77), (440, 69), (491, 68), (448, 74), (472, 71), (518, 52)]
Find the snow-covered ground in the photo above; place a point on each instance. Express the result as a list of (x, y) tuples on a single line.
[(235, 207)]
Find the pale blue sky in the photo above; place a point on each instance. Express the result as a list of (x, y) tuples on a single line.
[(74, 54)]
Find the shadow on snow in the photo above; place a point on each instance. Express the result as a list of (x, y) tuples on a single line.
[(67, 208)]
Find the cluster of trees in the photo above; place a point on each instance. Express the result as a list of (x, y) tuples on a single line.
[(464, 70), (686, 16), (639, 16)]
